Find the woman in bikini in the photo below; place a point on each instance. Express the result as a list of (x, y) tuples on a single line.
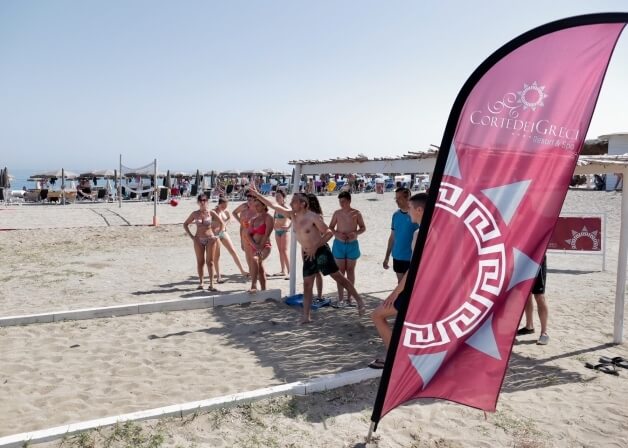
[(282, 227), (243, 214), (223, 236), (204, 239), (258, 240)]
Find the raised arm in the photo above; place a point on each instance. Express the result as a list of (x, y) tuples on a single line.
[(268, 203), (238, 210)]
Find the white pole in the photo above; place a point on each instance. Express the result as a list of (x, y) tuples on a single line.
[(62, 186), (293, 239), (618, 329), (155, 198), (120, 184)]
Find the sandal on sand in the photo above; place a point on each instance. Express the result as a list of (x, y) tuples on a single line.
[(200, 287), (211, 288), (377, 364), (616, 361), (602, 367)]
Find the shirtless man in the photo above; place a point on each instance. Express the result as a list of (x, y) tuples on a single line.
[(313, 234), (346, 224)]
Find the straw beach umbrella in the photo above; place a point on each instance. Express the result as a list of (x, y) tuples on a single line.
[(105, 174)]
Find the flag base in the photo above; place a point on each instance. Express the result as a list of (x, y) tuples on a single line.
[(155, 221)]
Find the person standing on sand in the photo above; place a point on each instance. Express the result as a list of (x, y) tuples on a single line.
[(204, 240), (389, 307), (314, 205), (400, 237), (223, 212), (282, 228), (313, 234), (346, 224), (538, 292), (258, 237), (243, 213)]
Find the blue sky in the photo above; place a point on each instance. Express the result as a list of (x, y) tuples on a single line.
[(251, 84)]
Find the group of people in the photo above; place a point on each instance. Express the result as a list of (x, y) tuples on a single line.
[(313, 234)]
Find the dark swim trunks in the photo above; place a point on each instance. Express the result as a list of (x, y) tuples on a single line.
[(539, 283), (323, 261), (401, 266)]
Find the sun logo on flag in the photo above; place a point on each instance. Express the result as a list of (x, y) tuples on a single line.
[(532, 96), (584, 233)]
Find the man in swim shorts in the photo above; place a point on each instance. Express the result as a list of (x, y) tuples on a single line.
[(346, 224)]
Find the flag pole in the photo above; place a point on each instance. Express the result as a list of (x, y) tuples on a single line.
[(370, 434)]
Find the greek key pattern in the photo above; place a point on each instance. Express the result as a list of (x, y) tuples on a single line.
[(489, 281)]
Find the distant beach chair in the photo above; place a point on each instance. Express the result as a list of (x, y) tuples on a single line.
[(339, 185), (54, 196), (265, 189), (85, 194), (101, 194), (163, 194), (389, 186)]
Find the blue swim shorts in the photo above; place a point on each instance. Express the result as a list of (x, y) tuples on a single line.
[(346, 250)]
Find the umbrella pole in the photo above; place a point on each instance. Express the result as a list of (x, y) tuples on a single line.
[(155, 198), (120, 184), (62, 186)]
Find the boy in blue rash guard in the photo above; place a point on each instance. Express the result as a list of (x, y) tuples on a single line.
[(401, 232), (389, 307)]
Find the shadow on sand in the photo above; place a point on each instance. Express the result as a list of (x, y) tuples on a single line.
[(338, 341)]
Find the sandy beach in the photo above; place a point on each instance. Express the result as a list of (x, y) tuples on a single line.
[(96, 254)]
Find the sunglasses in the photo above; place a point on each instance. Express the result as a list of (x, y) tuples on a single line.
[(202, 200)]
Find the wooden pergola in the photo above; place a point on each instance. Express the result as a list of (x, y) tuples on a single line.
[(424, 161)]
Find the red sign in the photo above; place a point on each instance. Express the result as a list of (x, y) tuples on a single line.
[(577, 233)]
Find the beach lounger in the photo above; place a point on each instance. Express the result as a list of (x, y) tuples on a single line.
[(265, 189), (163, 194)]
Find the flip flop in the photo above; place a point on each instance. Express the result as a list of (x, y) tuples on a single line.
[(602, 367), (616, 361), (377, 364)]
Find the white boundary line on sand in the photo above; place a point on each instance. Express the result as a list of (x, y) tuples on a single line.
[(142, 308), (319, 384)]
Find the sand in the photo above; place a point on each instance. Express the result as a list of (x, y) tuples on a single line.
[(89, 255)]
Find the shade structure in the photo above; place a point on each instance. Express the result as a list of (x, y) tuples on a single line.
[(229, 173), (105, 174), (181, 174), (55, 173), (254, 172)]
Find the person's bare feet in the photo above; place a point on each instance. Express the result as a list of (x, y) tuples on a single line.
[(305, 321), (200, 286), (361, 306), (252, 290)]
